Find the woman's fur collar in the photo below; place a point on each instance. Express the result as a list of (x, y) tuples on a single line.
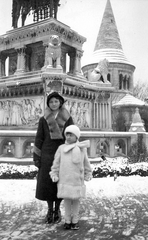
[(56, 125)]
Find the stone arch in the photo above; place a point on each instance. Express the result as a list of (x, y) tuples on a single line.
[(102, 147), (28, 148), (7, 148), (121, 146)]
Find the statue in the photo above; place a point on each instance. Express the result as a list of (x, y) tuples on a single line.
[(41, 9), (100, 72), (53, 53)]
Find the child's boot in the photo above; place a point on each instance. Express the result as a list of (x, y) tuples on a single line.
[(67, 226), (75, 226)]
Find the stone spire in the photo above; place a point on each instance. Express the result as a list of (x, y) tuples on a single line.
[(137, 124), (108, 45), (108, 36)]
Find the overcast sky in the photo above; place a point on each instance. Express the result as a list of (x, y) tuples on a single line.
[(84, 16)]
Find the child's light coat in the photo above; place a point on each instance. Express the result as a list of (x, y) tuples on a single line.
[(71, 173)]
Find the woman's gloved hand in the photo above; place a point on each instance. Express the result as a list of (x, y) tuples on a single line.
[(37, 163)]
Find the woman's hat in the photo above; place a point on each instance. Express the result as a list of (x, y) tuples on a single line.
[(55, 95), (73, 129)]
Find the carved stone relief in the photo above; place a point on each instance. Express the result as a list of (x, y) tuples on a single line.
[(54, 85), (80, 112), (21, 112)]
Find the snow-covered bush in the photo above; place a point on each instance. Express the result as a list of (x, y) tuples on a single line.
[(100, 168), (14, 171), (119, 165)]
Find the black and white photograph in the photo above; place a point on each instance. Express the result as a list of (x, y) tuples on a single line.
[(73, 120)]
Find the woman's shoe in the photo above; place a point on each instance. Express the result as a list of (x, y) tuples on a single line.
[(67, 226), (75, 226), (57, 216), (49, 216)]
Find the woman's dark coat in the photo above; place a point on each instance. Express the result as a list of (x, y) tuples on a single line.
[(44, 156)]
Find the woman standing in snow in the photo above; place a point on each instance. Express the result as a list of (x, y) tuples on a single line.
[(48, 138)]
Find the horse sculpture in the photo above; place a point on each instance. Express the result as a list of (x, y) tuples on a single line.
[(41, 9)]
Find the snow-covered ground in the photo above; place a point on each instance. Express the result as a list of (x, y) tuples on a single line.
[(23, 191), (112, 210)]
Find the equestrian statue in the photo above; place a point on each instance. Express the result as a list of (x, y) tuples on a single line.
[(41, 9)]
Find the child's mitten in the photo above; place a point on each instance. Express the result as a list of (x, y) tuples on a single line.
[(55, 179), (88, 177)]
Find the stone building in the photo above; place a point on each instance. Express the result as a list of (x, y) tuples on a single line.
[(108, 46), (46, 56)]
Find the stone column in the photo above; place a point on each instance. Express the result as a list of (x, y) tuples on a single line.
[(128, 83), (18, 147), (92, 147), (97, 115), (72, 56), (45, 44), (109, 116), (103, 116), (106, 115), (79, 54), (2, 64), (63, 61), (20, 60), (100, 115), (111, 147), (94, 115)]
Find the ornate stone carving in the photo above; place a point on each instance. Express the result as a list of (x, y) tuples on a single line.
[(54, 85), (18, 90), (101, 96), (21, 112), (99, 74), (78, 92), (41, 10), (80, 112), (53, 54), (41, 30), (79, 54), (2, 64), (20, 60)]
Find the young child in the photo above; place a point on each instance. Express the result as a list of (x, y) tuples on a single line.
[(70, 168)]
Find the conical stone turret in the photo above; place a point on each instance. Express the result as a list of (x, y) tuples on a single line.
[(108, 44), (108, 36), (108, 47), (137, 124)]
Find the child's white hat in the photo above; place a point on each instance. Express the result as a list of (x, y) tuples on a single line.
[(73, 129)]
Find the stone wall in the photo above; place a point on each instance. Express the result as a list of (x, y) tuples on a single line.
[(19, 144)]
